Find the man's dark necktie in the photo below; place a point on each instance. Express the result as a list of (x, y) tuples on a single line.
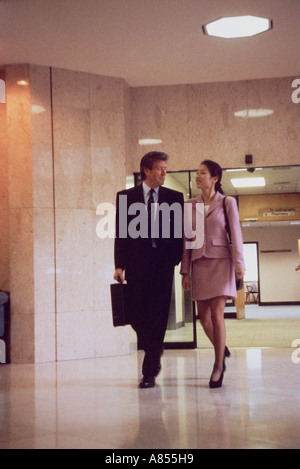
[(150, 201)]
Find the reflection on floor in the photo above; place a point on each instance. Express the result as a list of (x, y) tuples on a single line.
[(96, 403)]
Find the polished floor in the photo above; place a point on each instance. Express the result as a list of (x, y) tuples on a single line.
[(96, 403)]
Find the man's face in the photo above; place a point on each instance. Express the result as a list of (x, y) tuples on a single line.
[(156, 176)]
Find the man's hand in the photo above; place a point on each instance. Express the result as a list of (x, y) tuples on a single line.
[(239, 274), (119, 275)]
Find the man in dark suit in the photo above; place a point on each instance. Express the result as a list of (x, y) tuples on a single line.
[(149, 257)]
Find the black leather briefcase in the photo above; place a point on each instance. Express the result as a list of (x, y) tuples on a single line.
[(119, 304)]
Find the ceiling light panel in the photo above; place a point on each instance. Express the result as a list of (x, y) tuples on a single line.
[(237, 26), (248, 182)]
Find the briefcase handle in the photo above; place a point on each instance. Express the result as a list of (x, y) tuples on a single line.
[(119, 280)]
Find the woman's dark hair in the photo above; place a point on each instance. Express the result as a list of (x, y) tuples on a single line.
[(215, 170), (149, 158)]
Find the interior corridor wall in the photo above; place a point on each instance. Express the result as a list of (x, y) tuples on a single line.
[(278, 280)]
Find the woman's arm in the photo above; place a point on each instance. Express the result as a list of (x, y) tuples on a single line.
[(236, 236)]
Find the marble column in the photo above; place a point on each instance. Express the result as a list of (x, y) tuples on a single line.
[(31, 215), (66, 138)]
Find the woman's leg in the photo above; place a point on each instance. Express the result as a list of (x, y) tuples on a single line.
[(204, 313), (217, 306)]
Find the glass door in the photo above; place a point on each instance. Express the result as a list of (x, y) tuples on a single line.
[(181, 330), (252, 296)]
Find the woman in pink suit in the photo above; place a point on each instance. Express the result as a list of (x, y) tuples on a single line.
[(215, 266)]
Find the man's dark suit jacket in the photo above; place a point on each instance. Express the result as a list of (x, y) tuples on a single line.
[(129, 252)]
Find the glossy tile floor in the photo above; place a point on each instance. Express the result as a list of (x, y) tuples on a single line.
[(96, 403)]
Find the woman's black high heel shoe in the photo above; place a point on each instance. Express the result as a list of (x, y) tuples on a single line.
[(226, 355), (216, 384)]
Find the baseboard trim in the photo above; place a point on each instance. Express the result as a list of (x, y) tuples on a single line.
[(279, 303)]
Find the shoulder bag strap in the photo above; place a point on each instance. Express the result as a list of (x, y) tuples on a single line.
[(226, 220)]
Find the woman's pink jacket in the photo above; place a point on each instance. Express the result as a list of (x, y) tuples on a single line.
[(216, 244)]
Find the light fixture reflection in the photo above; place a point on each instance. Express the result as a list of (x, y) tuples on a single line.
[(254, 358), (237, 26), (36, 109), (254, 112), (149, 141), (22, 83), (2, 92)]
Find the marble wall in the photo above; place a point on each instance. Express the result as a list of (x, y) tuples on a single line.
[(196, 122), (66, 138), (89, 167)]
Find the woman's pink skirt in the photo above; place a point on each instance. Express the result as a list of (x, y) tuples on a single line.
[(212, 278)]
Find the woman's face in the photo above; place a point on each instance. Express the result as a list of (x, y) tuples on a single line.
[(204, 180)]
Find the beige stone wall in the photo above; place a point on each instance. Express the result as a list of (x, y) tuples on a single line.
[(196, 122)]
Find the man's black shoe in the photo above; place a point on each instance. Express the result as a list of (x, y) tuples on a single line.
[(147, 382)]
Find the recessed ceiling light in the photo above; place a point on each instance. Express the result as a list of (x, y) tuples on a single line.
[(237, 26), (248, 182)]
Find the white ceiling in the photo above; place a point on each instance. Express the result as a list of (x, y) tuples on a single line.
[(150, 42)]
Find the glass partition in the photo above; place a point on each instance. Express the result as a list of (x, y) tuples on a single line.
[(181, 330), (282, 182)]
